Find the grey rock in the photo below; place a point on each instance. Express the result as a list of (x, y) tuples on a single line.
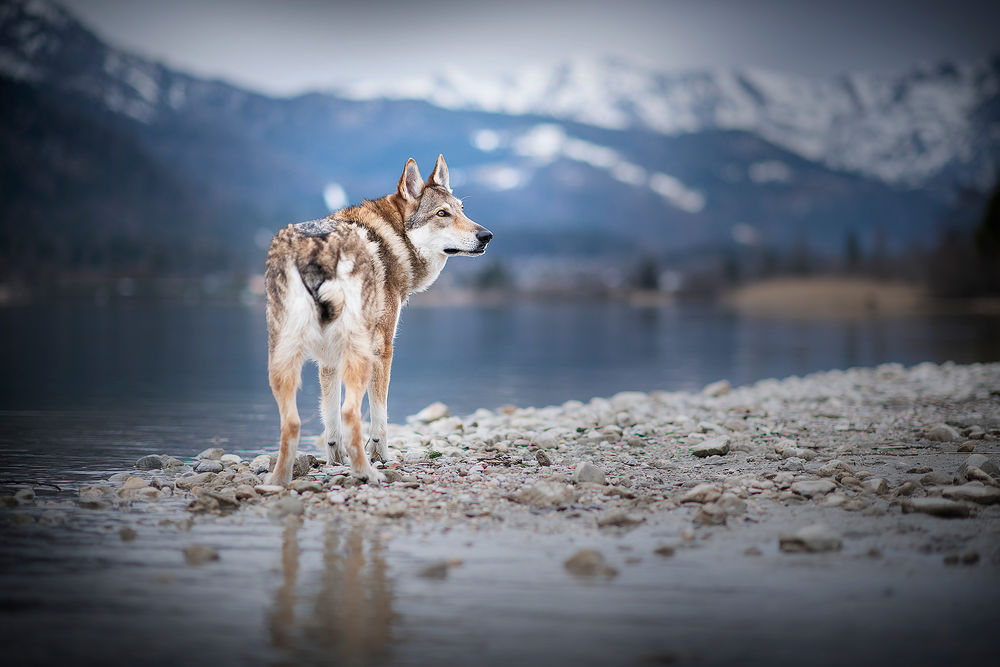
[(209, 465), (170, 463), (127, 534), (588, 472), (702, 493), (268, 489), (303, 485), (732, 504), (834, 467), (981, 462), (716, 389), (432, 413), (813, 488), (230, 460), (260, 464), (936, 479), (712, 447), (199, 554), (967, 446), (942, 433), (546, 493), (303, 462), (188, 483), (941, 507), (211, 454), (976, 492), (149, 462), (589, 563), (245, 492), (813, 539), (543, 458), (875, 485)]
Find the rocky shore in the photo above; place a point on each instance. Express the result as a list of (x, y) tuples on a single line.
[(867, 462)]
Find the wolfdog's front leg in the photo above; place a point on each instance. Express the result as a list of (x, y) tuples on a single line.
[(332, 440), (284, 379), (357, 373), (378, 394)]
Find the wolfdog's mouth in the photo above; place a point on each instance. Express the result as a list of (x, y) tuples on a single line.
[(451, 251)]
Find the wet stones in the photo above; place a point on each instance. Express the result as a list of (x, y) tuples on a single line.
[(303, 462), (188, 483), (787, 449), (816, 538), (149, 462), (940, 507), (209, 465), (978, 463), (712, 447)]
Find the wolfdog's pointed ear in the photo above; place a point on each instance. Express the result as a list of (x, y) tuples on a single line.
[(410, 184), (440, 174)]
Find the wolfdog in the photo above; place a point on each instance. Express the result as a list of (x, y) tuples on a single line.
[(335, 287)]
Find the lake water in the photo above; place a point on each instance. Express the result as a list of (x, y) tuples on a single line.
[(88, 390)]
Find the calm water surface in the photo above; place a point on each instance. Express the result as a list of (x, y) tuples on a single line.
[(85, 391)]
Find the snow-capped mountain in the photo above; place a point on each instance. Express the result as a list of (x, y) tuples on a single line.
[(902, 128), (590, 157)]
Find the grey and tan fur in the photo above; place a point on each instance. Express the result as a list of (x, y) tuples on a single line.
[(335, 287)]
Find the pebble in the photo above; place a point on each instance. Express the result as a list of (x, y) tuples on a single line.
[(712, 447), (589, 563), (980, 462), (941, 507), (431, 413), (393, 511), (134, 483), (813, 539), (24, 495), (260, 464), (199, 554), (187, 483), (230, 460), (211, 454), (546, 494), (702, 493), (127, 534), (149, 462), (710, 514), (303, 462), (941, 433), (936, 479), (813, 488), (967, 446), (268, 489), (588, 472), (875, 485), (543, 458), (717, 389), (976, 492), (336, 498), (666, 551), (438, 569), (209, 465)]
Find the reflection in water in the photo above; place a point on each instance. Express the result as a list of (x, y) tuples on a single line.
[(351, 615)]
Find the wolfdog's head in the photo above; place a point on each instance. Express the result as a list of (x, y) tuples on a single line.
[(435, 221)]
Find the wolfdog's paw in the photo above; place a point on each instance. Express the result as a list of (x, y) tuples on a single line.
[(370, 475), (277, 479), (377, 450)]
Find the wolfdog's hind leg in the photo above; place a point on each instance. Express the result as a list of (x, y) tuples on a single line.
[(332, 440), (378, 394), (285, 378), (357, 373)]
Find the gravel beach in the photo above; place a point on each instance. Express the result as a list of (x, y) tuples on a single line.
[(905, 456)]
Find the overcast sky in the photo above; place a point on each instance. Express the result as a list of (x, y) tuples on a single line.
[(296, 45)]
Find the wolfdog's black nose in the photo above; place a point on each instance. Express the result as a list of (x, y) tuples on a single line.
[(484, 236)]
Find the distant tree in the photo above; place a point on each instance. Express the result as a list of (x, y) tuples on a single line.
[(852, 251), (988, 233), (647, 274), (494, 276)]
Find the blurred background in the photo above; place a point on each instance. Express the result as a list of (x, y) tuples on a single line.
[(680, 191)]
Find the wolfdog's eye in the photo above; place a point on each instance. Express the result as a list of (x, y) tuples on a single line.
[(442, 213)]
